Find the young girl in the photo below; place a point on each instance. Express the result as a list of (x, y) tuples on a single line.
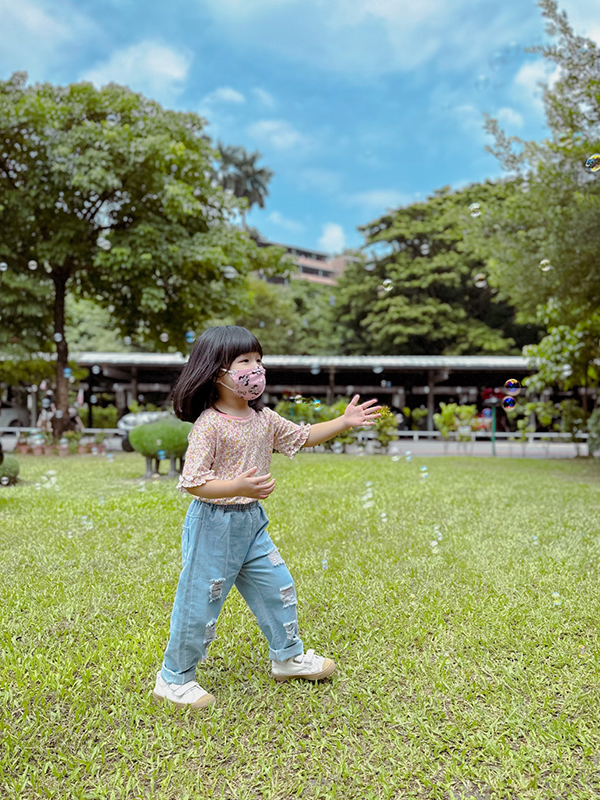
[(225, 539)]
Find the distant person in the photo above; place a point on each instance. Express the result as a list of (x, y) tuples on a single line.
[(46, 416), (225, 539)]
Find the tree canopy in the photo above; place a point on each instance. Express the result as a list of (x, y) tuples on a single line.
[(108, 196), (425, 293)]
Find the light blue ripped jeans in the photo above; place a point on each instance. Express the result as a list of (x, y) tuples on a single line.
[(220, 546)]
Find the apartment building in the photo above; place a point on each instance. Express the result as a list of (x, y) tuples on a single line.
[(311, 265)]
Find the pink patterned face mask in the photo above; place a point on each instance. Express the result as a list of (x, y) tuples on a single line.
[(249, 382)]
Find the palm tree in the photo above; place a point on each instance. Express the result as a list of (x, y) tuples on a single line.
[(238, 173)]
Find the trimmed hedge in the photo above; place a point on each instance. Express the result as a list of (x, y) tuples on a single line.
[(167, 435), (9, 469)]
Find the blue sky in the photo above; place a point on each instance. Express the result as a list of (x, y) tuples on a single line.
[(356, 105)]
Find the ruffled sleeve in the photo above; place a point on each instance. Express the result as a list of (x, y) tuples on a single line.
[(288, 437), (200, 455)]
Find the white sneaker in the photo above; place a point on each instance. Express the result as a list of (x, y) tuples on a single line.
[(187, 694), (308, 666)]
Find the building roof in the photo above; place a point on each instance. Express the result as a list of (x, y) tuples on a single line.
[(474, 363)]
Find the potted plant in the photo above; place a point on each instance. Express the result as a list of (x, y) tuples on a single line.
[(36, 442), (72, 438), (63, 447), (100, 443), (48, 444), (22, 446)]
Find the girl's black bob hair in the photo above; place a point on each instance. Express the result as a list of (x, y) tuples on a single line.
[(215, 349)]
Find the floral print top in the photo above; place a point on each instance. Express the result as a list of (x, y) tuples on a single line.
[(221, 447)]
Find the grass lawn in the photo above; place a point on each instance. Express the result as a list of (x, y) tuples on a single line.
[(466, 669)]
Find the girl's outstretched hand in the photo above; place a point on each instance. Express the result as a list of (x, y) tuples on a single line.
[(259, 487), (357, 415)]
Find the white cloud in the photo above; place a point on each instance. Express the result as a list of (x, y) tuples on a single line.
[(367, 38), (224, 94), (332, 240), (277, 133), (509, 118), (155, 69), (35, 37), (265, 98), (526, 88), (284, 222), (376, 200), (583, 17)]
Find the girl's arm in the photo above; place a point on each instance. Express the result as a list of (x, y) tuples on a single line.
[(355, 416)]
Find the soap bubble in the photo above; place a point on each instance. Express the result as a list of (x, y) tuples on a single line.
[(58, 414), (566, 371), (425, 249), (324, 563), (424, 473), (58, 337), (298, 398), (437, 533), (370, 266), (3, 266), (4, 480), (164, 337), (480, 280), (93, 399), (396, 458), (317, 405), (45, 403), (377, 370), (94, 450), (509, 402), (127, 340), (103, 242), (474, 210), (593, 163), (337, 447), (388, 285), (315, 369), (368, 504), (556, 599), (230, 272), (535, 539), (545, 265), (32, 265), (161, 455), (96, 370), (512, 387), (190, 336), (67, 372), (408, 456)]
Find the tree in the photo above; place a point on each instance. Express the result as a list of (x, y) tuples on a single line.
[(239, 174), (109, 196), (425, 294), (542, 243), (297, 319)]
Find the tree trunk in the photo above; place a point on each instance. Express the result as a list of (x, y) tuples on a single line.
[(59, 277)]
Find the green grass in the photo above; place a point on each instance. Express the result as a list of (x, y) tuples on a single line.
[(457, 676)]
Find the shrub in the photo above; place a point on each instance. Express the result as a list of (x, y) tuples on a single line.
[(452, 417), (593, 427), (9, 469), (102, 416), (169, 435), (312, 412)]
